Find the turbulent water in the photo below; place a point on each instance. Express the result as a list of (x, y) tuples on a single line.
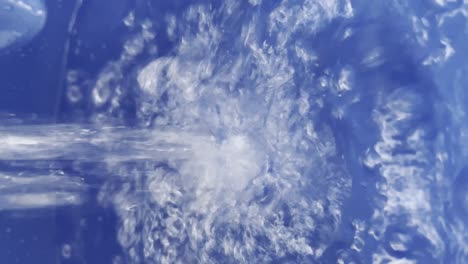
[(294, 131), (20, 21)]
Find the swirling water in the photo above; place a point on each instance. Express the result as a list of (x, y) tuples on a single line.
[(294, 131)]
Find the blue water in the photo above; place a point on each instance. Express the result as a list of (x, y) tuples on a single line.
[(300, 131)]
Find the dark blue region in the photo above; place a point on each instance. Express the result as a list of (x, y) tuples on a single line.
[(32, 74)]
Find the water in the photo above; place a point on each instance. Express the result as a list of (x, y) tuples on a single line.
[(311, 131), (20, 21)]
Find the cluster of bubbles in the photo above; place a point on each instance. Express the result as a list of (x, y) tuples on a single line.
[(269, 183), (265, 90)]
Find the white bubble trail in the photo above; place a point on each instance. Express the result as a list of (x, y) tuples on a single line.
[(71, 142), (229, 164)]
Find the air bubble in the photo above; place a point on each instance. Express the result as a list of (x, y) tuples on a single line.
[(74, 94), (66, 251), (129, 20)]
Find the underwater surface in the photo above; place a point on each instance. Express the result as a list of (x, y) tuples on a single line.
[(235, 131)]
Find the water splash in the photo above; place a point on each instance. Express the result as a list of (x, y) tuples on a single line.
[(187, 188), (249, 125)]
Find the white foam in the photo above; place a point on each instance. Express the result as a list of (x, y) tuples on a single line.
[(222, 172), (252, 174)]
